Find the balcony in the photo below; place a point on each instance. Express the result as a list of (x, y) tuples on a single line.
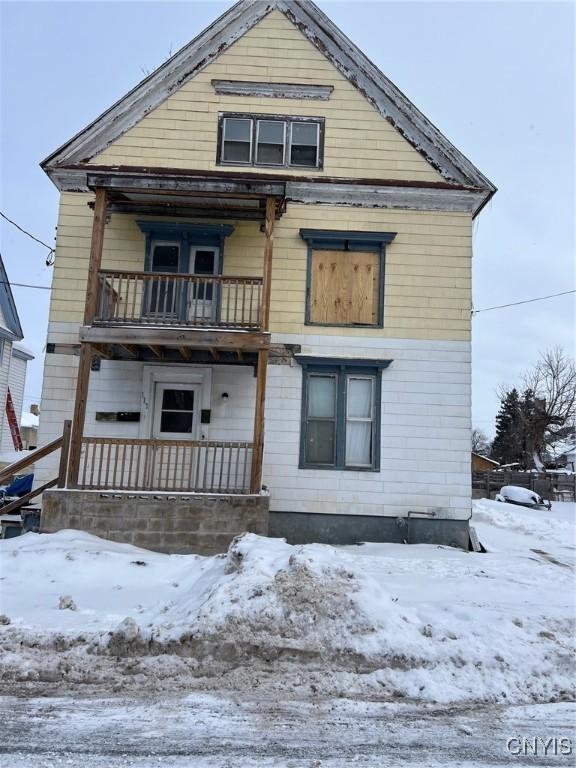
[(167, 299), (168, 316)]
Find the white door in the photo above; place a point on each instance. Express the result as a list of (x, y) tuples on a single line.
[(176, 411), (203, 298)]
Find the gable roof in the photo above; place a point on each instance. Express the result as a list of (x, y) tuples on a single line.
[(11, 328), (388, 100)]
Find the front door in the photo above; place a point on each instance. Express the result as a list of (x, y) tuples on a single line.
[(203, 298)]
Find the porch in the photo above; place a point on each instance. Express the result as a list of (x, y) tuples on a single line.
[(198, 466), (154, 457), (180, 309)]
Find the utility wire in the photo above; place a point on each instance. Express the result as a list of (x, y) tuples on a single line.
[(526, 301), (25, 285), (49, 259)]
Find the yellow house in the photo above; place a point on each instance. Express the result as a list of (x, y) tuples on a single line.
[(260, 314)]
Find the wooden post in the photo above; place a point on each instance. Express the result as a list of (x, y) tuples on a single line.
[(258, 442), (96, 246), (64, 453), (267, 273), (79, 413)]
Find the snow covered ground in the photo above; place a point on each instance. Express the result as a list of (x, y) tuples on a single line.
[(289, 656), (416, 623)]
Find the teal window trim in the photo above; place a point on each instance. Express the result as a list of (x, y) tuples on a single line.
[(342, 240), (186, 235), (342, 369)]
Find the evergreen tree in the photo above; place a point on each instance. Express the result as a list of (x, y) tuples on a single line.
[(507, 445)]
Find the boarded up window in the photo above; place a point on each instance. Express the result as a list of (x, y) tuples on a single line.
[(345, 287)]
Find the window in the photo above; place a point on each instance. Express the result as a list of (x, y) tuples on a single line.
[(345, 277), (270, 140), (304, 141), (175, 409), (340, 413), (237, 141)]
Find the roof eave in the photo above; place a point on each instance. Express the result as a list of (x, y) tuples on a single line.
[(389, 101)]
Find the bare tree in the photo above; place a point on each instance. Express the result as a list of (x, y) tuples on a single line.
[(480, 442), (553, 384)]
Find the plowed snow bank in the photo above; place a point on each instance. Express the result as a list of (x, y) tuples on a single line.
[(418, 622)]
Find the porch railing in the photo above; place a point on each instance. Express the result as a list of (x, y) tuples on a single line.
[(163, 298), (197, 466)]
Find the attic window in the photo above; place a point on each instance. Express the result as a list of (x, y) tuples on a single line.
[(237, 141), (270, 140)]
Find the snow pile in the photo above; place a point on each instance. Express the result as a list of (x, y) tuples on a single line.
[(275, 600), (413, 622), (503, 522)]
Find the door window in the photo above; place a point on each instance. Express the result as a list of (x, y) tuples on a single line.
[(203, 263), (162, 297), (175, 410)]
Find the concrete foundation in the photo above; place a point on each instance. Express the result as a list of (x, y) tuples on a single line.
[(174, 523), (302, 528)]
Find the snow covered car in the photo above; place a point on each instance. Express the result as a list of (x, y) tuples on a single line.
[(514, 494)]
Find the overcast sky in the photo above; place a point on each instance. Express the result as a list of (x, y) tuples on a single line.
[(496, 78)]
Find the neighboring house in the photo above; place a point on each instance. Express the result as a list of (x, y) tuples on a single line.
[(29, 427), (262, 278), (483, 463), (563, 454), (14, 358)]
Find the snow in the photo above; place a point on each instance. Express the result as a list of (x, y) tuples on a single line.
[(404, 623), (29, 420), (519, 495)]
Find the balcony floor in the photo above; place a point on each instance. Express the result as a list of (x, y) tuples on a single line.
[(171, 342)]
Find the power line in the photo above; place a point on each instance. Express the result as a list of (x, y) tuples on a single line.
[(24, 285), (49, 260), (526, 301)]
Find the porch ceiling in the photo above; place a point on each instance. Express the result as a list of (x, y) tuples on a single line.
[(165, 354)]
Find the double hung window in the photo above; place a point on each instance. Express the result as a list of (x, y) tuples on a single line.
[(341, 414)]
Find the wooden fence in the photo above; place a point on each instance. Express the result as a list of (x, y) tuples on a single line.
[(559, 486)]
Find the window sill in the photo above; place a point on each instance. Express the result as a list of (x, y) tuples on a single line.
[(364, 326), (302, 168), (339, 469)]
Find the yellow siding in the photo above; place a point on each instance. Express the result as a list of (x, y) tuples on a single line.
[(428, 266), (182, 132)]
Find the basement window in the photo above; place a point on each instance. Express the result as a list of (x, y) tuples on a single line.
[(270, 140)]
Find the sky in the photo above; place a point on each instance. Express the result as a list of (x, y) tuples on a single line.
[(497, 78)]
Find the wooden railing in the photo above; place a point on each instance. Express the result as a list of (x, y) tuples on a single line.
[(30, 458), (163, 298), (197, 466)]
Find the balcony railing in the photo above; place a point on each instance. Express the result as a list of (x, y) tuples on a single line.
[(196, 466), (163, 298)]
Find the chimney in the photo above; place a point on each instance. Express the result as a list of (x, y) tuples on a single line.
[(35, 409)]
